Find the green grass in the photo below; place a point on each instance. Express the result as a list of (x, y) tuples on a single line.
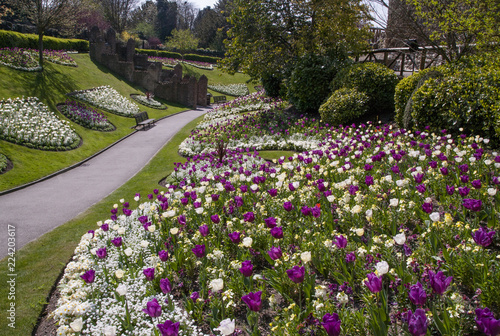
[(39, 263), (271, 155), (50, 87)]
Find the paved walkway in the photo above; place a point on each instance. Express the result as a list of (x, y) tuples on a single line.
[(38, 209)]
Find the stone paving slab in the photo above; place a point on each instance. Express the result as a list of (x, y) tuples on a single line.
[(41, 207)]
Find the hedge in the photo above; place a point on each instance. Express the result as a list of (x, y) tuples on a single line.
[(344, 106), (14, 39), (174, 55)]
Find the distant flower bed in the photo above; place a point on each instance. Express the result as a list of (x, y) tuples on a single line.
[(27, 59), (149, 102), (171, 62), (109, 99), (28, 122), (85, 116), (3, 163), (236, 90)]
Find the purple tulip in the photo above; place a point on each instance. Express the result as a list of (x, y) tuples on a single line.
[(273, 192), (181, 219), (439, 282), (149, 273), (249, 217), (316, 211), (163, 255), (418, 177), (486, 322), (421, 188), (101, 253), (417, 322), (331, 323), (270, 222), (194, 296), (417, 294), (88, 276), (483, 236), (204, 230), (450, 190), (296, 274), (472, 204), (291, 187), (117, 241), (277, 232), (306, 211), (253, 300), (153, 308), (288, 206), (105, 227), (340, 241), (199, 250), (374, 283), (444, 170), (350, 257), (369, 180), (143, 219), (246, 268), (165, 286), (463, 191), (275, 253), (169, 328), (235, 237), (427, 207), (476, 184)]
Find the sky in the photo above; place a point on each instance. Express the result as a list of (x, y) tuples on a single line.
[(200, 4)]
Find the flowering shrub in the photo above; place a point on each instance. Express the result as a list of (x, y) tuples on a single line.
[(85, 116), (148, 101), (236, 90), (3, 162), (344, 106), (373, 231), (27, 59), (107, 98), (28, 122)]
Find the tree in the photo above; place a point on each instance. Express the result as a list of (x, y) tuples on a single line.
[(167, 18), (206, 24), (117, 12), (186, 14), (143, 19), (269, 35), (182, 40), (47, 14)]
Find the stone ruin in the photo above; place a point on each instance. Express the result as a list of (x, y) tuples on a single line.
[(135, 68)]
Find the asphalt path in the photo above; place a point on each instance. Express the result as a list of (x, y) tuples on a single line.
[(43, 206)]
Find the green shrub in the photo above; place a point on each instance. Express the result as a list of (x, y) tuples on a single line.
[(13, 39), (308, 86), (344, 106), (273, 85), (200, 58), (468, 99), (376, 80)]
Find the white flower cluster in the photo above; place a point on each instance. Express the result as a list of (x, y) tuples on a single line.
[(29, 122), (236, 90), (148, 102), (109, 99)]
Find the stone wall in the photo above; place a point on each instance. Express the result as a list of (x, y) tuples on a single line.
[(166, 84)]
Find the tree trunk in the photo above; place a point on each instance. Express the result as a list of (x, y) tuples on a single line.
[(40, 48)]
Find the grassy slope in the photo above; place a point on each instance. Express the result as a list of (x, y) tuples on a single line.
[(39, 263), (50, 87)]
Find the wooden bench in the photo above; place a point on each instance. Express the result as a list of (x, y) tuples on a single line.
[(219, 99), (142, 119)]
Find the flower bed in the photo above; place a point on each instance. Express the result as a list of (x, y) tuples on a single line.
[(236, 90), (28, 122), (85, 116), (172, 62), (107, 98), (149, 102), (27, 59), (3, 163), (374, 231)]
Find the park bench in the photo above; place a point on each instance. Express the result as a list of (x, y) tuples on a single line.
[(219, 99), (142, 119)]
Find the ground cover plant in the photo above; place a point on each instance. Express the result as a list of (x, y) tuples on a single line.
[(85, 116), (374, 231), (27, 59), (236, 90), (107, 98), (28, 122)]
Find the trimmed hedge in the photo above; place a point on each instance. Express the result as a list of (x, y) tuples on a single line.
[(14, 39), (174, 55), (376, 80), (343, 106)]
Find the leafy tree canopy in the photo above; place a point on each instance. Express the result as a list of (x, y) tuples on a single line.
[(182, 40)]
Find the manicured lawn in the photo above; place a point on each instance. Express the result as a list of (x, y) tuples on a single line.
[(50, 87), (39, 263)]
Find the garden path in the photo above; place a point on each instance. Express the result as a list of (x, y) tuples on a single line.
[(43, 206)]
